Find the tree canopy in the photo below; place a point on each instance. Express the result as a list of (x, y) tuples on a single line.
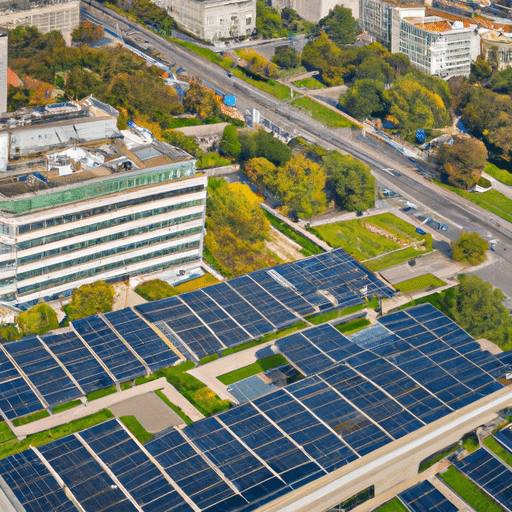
[(462, 162), (87, 33), (39, 319), (230, 145), (340, 25), (351, 181), (90, 299), (201, 100), (364, 98), (286, 57), (263, 144), (470, 248)]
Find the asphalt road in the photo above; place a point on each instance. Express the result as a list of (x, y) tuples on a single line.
[(452, 210)]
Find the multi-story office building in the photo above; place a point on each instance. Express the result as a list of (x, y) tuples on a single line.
[(100, 213), (212, 20)]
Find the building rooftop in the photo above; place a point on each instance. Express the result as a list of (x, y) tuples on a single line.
[(431, 24)]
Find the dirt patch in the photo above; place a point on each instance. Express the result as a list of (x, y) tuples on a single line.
[(281, 245), (386, 234)]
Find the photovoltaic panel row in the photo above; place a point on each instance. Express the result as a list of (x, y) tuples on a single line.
[(489, 473), (78, 360), (224, 327), (94, 489), (33, 484), (133, 468), (192, 473), (142, 339), (180, 319), (109, 348), (43, 370), (424, 497), (247, 316), (267, 305), (504, 437)]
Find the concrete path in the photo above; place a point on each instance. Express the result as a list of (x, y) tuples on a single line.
[(497, 185), (105, 403)]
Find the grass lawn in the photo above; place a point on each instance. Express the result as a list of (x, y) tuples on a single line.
[(323, 114), (47, 436), (495, 447), (353, 326), (392, 259), (468, 491), (395, 505), (419, 283), (268, 337), (200, 396), (499, 174), (126, 385), (139, 432), (209, 359), (205, 53), (492, 201), (101, 393), (437, 457), (175, 408), (30, 418), (275, 89), (7, 438), (194, 284), (308, 248), (66, 406), (331, 315), (359, 242), (436, 299), (309, 83), (252, 369), (155, 289), (471, 445)]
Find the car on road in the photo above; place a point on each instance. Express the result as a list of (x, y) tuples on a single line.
[(420, 231), (230, 74)]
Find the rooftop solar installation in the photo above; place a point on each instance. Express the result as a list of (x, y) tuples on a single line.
[(78, 360), (246, 316), (424, 497), (109, 348), (188, 330), (43, 370), (489, 473), (33, 484), (142, 339), (504, 437)]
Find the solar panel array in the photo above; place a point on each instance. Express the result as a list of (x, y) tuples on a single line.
[(424, 497)]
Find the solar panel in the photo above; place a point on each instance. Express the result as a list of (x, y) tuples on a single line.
[(142, 339), (424, 497), (78, 360), (43, 370), (504, 437), (17, 399), (109, 348), (33, 484)]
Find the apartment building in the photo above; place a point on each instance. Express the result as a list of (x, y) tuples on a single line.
[(98, 212)]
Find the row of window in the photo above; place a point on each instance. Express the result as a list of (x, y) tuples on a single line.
[(36, 242), (104, 268), (115, 236), (56, 221), (102, 254)]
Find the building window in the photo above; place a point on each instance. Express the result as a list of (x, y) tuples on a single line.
[(248, 19), (209, 20)]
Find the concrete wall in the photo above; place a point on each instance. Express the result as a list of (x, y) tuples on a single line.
[(315, 10)]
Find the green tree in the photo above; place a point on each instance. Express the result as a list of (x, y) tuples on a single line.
[(90, 299), (364, 98), (375, 68), (10, 332), (462, 163), (38, 319), (87, 33), (478, 308), (351, 181), (340, 25), (230, 145), (286, 57), (261, 172), (201, 100), (470, 248), (481, 70), (263, 144), (268, 21)]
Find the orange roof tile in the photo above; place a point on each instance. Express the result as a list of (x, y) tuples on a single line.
[(13, 79)]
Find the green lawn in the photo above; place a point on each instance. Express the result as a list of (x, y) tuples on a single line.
[(30, 418), (437, 457), (394, 258), (139, 432), (155, 289), (252, 369), (419, 283), (471, 445), (175, 408), (395, 505), (7, 438), (309, 83), (331, 315), (492, 201), (362, 244), (10, 447), (308, 248), (323, 114), (353, 326), (268, 337), (274, 88), (66, 406), (493, 445), (199, 395), (436, 299), (194, 284), (468, 491), (101, 393), (209, 359), (499, 174)]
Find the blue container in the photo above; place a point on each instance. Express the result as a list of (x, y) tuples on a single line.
[(229, 100), (421, 136)]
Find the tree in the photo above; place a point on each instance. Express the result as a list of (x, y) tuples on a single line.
[(90, 299), (481, 70), (470, 248), (375, 68), (87, 33), (38, 319), (268, 21), (258, 64), (323, 55), (286, 57), (351, 181), (230, 145), (263, 144), (201, 100), (462, 163), (261, 172), (478, 309), (341, 25), (364, 98)]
